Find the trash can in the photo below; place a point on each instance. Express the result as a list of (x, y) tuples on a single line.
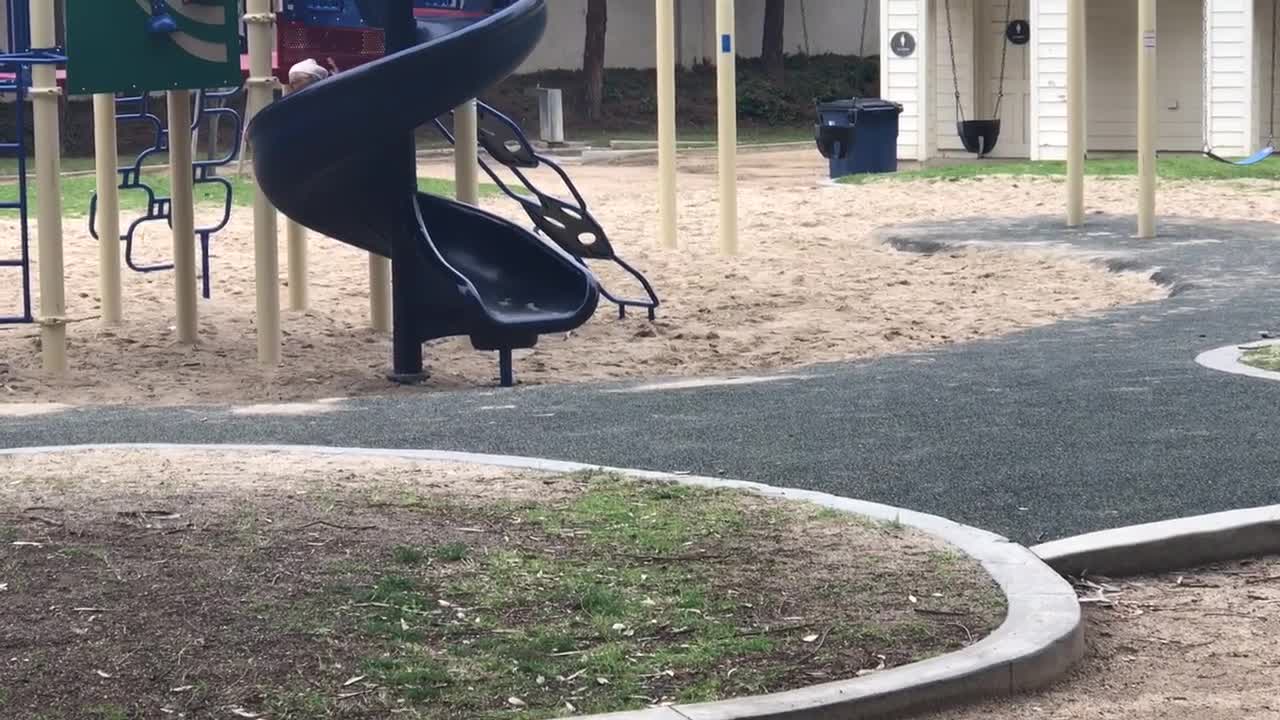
[(859, 135)]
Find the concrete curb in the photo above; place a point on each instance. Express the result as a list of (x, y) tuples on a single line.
[(1167, 545), (1227, 360), (1041, 638)]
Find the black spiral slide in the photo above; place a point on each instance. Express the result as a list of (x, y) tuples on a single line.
[(338, 157)]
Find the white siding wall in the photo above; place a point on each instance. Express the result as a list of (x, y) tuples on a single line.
[(906, 80), (833, 27), (1267, 105), (1228, 73), (1049, 80), (1113, 51)]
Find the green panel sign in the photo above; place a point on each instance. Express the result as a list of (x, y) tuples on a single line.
[(151, 45)]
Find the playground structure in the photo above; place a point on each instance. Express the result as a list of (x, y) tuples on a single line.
[(16, 67), (190, 51), (458, 270), (208, 105), (569, 225)]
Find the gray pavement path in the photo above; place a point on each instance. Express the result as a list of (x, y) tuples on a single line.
[(1083, 425)]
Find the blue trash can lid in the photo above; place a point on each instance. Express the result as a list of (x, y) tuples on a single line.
[(860, 105)]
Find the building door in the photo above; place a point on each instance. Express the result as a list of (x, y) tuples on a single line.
[(1015, 130)]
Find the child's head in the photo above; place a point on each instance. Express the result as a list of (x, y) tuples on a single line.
[(306, 73)]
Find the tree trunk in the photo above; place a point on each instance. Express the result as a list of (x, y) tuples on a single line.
[(593, 56), (775, 25)]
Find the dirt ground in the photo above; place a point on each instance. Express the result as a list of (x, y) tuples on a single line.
[(811, 285), (1196, 644), (285, 586)]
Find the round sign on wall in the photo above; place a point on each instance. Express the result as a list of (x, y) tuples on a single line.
[(903, 44), (1018, 32)]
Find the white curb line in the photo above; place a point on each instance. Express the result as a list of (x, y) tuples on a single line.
[(1227, 359), (1168, 545)]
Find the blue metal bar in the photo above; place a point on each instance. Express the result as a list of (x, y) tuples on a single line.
[(20, 63)]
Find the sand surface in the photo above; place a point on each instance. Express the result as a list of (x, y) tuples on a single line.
[(1185, 645), (811, 285)]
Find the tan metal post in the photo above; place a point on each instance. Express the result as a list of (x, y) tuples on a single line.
[(296, 236), (44, 98), (260, 20), (183, 218), (727, 93), (1076, 136), (105, 158), (466, 164), (1148, 120), (668, 205), (379, 293)]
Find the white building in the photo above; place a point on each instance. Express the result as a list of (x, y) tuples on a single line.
[(1215, 74), (812, 26)]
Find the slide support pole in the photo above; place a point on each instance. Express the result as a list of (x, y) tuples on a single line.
[(1076, 137), (1148, 120), (183, 213), (44, 97), (727, 94), (668, 205), (260, 20)]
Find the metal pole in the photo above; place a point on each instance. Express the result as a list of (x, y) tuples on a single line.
[(260, 19), (1076, 137), (105, 160), (1148, 121), (466, 164), (44, 98), (183, 218), (297, 240), (727, 93), (406, 344), (668, 205), (379, 293)]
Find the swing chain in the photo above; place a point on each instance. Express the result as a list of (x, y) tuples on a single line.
[(1004, 57), (955, 70), (1275, 67)]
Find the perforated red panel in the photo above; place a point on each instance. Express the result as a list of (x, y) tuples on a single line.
[(347, 47)]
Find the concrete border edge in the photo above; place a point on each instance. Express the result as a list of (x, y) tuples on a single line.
[(1167, 545), (1041, 638), (1227, 359)]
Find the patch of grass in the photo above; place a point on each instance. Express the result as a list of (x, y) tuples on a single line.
[(615, 596), (534, 625), (416, 679), (78, 191), (406, 555), (1171, 167), (453, 552), (1266, 358), (108, 712), (943, 561), (301, 705), (643, 518)]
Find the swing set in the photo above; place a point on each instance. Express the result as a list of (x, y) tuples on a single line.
[(1269, 148), (979, 136)]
